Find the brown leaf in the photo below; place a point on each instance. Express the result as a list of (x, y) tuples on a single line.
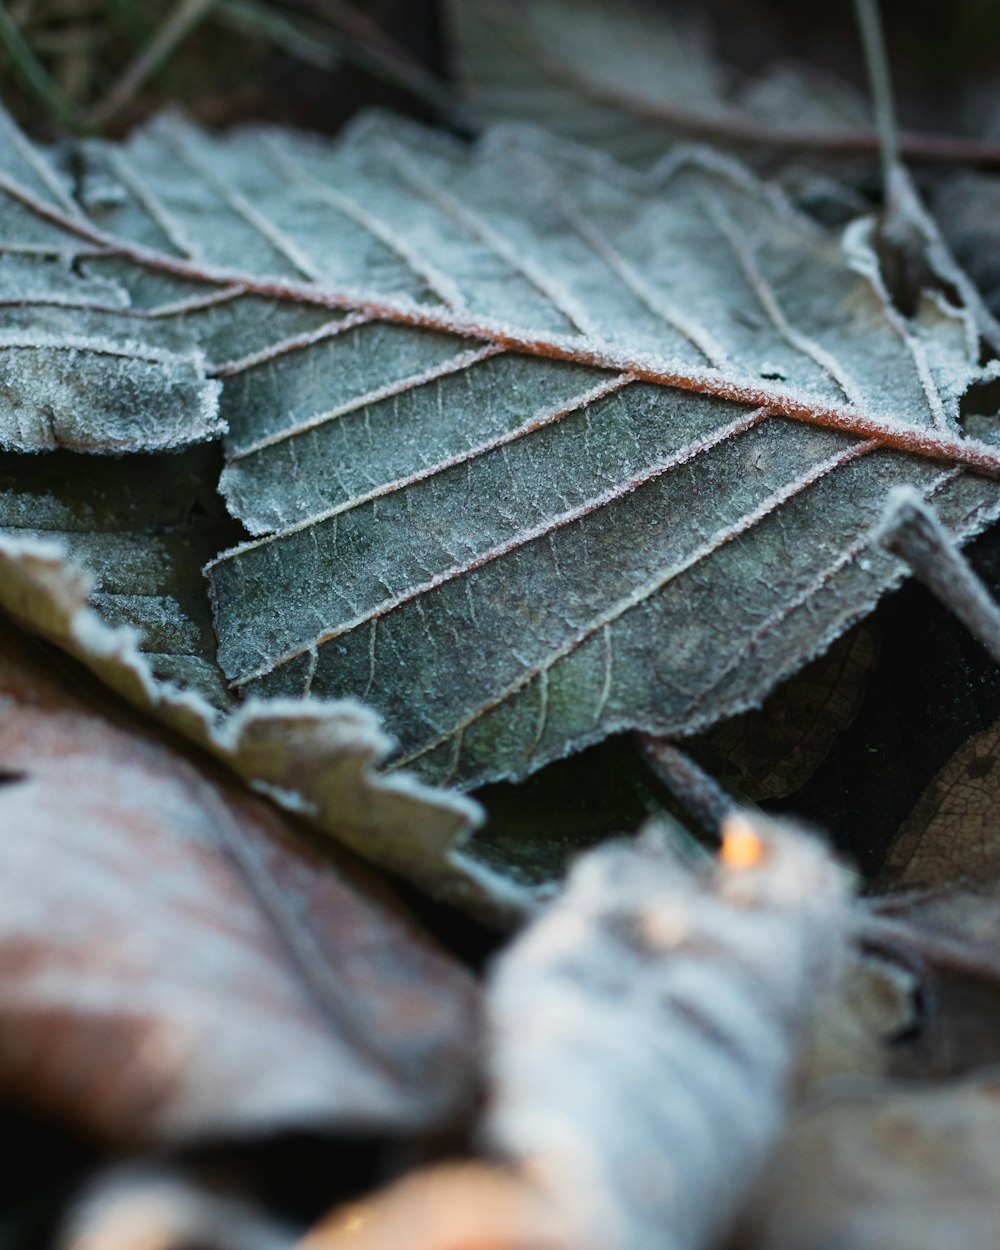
[(950, 844), (772, 751), (873, 1003), (173, 961), (889, 1169), (953, 935), (317, 757), (953, 832)]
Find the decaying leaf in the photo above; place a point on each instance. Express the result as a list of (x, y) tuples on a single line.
[(953, 833), (143, 532), (772, 751), (537, 448), (175, 962), (644, 1031), (630, 78), (888, 1169), (944, 871), (319, 758)]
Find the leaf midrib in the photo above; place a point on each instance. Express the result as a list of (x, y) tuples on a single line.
[(926, 443)]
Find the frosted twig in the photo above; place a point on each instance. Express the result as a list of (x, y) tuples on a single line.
[(880, 80), (645, 1030), (912, 530)]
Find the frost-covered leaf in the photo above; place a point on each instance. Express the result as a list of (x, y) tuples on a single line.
[(631, 77), (645, 1029), (318, 759), (77, 367), (175, 962), (535, 447), (142, 529)]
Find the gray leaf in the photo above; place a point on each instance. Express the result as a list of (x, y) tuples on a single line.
[(534, 447)]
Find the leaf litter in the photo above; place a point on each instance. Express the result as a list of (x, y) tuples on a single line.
[(191, 965), (548, 401), (455, 289)]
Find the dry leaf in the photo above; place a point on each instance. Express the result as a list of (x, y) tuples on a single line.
[(317, 758), (645, 1030), (142, 532), (888, 1169), (953, 831), (175, 962), (537, 448), (772, 751), (630, 77)]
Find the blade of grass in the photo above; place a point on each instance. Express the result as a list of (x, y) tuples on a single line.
[(32, 72), (311, 44), (180, 23)]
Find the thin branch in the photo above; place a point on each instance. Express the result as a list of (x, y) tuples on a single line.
[(913, 531), (701, 794), (880, 79), (915, 145)]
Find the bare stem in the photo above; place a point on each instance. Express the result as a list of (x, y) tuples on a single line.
[(880, 80), (956, 149), (912, 530), (701, 794)]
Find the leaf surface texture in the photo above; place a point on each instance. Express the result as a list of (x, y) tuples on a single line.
[(534, 447)]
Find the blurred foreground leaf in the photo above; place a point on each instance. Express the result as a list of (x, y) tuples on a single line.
[(177, 963)]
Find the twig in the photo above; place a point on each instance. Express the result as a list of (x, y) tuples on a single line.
[(912, 530), (880, 80), (32, 72), (184, 18), (915, 145), (701, 794)]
